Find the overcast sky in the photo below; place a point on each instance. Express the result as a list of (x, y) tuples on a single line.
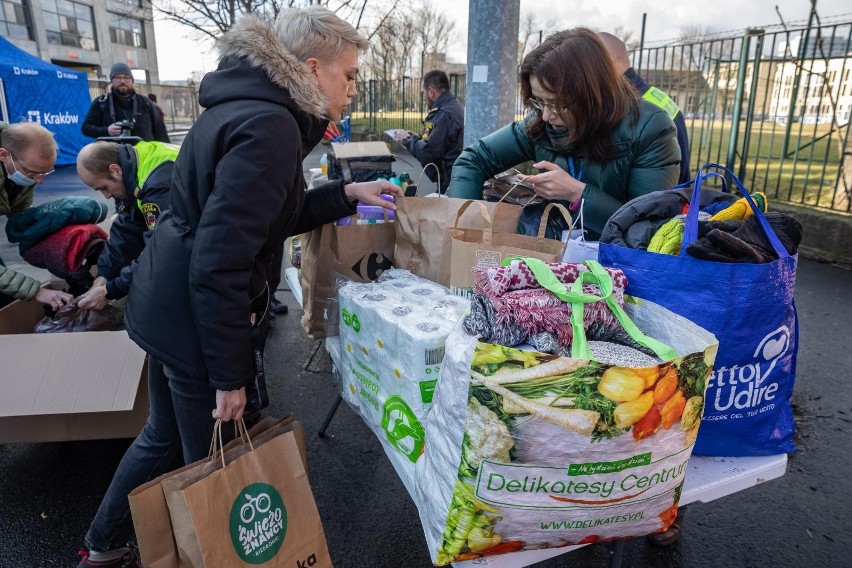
[(179, 53)]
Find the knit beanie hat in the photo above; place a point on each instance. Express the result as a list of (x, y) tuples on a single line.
[(119, 69)]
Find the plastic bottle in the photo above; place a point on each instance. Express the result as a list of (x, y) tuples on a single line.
[(324, 164)]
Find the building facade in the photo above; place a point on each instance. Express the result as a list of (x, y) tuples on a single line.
[(85, 35)]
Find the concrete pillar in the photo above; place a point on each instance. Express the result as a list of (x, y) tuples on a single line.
[(492, 66)]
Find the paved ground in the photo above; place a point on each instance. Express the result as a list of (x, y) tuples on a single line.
[(49, 492)]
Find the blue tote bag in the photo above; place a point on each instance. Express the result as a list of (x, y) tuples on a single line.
[(751, 311)]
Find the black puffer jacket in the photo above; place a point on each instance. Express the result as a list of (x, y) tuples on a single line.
[(634, 224), (238, 191)]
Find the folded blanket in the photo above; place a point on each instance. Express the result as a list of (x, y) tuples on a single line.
[(69, 252), (537, 310), (496, 281), (32, 225)]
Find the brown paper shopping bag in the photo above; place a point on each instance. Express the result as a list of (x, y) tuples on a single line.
[(333, 255), (256, 509), (423, 232), (482, 248), (150, 512)]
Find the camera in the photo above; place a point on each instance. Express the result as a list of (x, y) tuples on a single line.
[(126, 126)]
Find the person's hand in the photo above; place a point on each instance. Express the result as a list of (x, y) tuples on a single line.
[(114, 129), (230, 404), (555, 183), (53, 298), (400, 134), (95, 298), (368, 193)]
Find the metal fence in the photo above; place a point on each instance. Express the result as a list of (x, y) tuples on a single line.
[(179, 104), (773, 107)]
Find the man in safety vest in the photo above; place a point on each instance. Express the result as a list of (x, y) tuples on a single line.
[(618, 52), (139, 179)]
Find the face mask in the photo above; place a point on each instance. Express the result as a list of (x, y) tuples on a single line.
[(21, 179)]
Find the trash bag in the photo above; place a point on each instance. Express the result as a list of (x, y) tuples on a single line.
[(70, 318)]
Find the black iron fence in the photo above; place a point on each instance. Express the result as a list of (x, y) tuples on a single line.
[(772, 106)]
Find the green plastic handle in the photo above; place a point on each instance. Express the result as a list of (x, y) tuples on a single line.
[(577, 298)]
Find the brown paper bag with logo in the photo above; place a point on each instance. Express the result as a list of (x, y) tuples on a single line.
[(150, 512), (482, 248), (331, 256), (423, 232), (256, 509)]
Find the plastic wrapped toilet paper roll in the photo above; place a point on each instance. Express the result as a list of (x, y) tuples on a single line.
[(450, 307), (425, 293)]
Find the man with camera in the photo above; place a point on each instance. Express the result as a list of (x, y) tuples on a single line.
[(123, 112)]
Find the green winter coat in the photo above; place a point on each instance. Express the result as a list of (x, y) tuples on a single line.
[(14, 199), (648, 160)]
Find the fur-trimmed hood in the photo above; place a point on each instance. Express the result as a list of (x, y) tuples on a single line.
[(254, 40)]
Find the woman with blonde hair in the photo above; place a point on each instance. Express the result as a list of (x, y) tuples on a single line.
[(199, 299)]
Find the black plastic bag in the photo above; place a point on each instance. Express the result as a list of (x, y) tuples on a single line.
[(70, 318)]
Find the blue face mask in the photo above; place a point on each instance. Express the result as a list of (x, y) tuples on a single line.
[(21, 179)]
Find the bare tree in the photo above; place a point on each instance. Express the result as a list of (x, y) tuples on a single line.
[(533, 31), (389, 56), (433, 31), (212, 19)]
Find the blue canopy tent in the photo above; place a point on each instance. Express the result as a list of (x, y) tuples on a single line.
[(38, 91)]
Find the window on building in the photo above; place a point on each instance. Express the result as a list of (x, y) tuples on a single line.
[(131, 3), (15, 20), (69, 23), (126, 31)]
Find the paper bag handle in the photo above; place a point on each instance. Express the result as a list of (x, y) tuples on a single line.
[(542, 226), (486, 218), (437, 172), (216, 445), (690, 230)]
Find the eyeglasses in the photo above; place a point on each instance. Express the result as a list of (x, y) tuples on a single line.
[(29, 173), (122, 77), (541, 105)]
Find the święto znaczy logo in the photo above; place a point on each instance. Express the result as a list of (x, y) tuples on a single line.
[(55, 118), (746, 386), (258, 523)]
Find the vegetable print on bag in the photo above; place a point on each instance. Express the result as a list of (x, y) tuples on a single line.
[(557, 451)]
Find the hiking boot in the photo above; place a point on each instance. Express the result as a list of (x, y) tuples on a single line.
[(129, 560)]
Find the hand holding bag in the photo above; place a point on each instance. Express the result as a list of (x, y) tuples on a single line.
[(257, 508), (151, 521)]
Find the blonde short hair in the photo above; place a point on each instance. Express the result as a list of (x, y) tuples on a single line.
[(316, 32)]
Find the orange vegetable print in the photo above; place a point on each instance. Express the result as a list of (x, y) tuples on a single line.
[(666, 386), (672, 409), (649, 424)]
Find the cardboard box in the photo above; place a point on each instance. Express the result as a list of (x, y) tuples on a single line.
[(360, 161), (67, 386)]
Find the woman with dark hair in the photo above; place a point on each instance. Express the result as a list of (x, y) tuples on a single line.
[(588, 133)]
